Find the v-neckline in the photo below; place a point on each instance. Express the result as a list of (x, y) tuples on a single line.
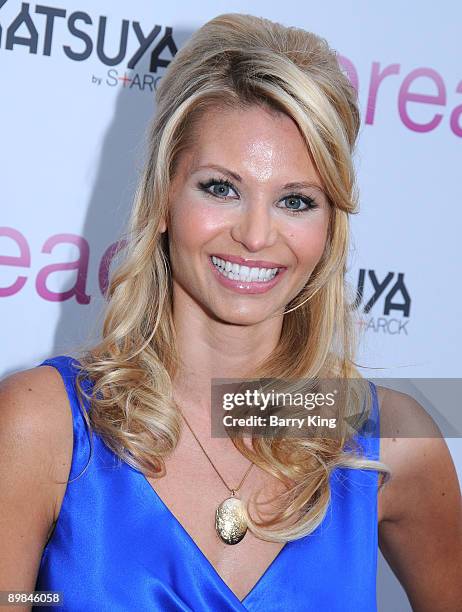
[(199, 551), (153, 493)]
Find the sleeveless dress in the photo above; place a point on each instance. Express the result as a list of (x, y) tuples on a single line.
[(117, 547)]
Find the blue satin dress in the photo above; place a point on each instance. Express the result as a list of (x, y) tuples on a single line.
[(117, 547)]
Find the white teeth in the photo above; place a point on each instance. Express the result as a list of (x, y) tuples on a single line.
[(234, 271)]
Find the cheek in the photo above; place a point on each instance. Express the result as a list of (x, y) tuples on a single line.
[(194, 224), (308, 242)]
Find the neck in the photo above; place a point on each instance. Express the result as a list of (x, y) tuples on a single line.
[(210, 348)]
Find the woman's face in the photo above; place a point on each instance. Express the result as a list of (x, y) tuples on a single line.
[(248, 218)]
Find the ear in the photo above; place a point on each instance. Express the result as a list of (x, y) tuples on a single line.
[(163, 226)]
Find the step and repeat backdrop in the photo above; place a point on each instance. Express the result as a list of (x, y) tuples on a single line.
[(78, 79)]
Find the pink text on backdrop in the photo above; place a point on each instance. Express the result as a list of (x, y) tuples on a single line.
[(407, 95), (80, 265)]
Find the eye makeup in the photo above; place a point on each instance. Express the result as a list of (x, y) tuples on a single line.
[(226, 185)]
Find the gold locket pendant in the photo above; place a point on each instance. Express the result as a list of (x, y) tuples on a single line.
[(230, 516), (230, 522)]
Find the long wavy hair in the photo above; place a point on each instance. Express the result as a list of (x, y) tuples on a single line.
[(237, 60)]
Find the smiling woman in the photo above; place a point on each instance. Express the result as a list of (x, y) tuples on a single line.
[(234, 267), (229, 205)]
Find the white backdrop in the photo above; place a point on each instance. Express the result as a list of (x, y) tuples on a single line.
[(77, 93)]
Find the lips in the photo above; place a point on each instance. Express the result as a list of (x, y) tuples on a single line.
[(248, 286), (236, 271)]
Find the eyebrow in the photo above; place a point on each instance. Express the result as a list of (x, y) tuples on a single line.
[(238, 178)]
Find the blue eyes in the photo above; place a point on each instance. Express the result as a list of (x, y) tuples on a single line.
[(221, 188)]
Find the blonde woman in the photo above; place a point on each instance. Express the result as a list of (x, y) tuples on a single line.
[(112, 486)]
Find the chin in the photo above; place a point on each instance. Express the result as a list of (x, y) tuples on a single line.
[(244, 317)]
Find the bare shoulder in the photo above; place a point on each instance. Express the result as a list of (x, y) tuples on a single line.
[(34, 406), (412, 446), (407, 432), (420, 531), (36, 438), (36, 418)]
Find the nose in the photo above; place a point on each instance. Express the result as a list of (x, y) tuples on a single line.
[(255, 228)]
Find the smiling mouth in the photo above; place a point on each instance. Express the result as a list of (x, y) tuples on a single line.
[(242, 273)]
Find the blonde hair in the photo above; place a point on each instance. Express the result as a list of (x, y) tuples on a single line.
[(236, 60)]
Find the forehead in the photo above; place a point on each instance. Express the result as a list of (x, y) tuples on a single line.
[(254, 141)]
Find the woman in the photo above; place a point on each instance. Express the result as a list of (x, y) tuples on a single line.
[(234, 268)]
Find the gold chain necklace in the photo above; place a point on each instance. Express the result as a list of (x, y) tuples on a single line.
[(230, 522)]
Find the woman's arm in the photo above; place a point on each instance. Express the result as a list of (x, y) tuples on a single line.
[(35, 451), (420, 534)]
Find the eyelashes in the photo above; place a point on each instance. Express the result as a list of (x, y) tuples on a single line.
[(214, 182), (226, 185)]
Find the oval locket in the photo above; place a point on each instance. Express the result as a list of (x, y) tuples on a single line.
[(230, 522)]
